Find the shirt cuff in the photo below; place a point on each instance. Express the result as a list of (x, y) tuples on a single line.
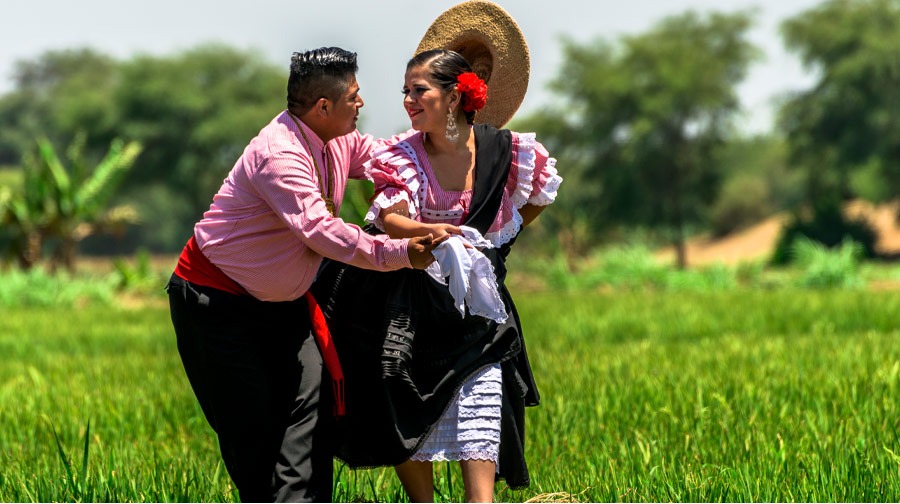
[(395, 253)]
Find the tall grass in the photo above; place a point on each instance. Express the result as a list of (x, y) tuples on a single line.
[(636, 268), (760, 396), (117, 372), (647, 395), (37, 287)]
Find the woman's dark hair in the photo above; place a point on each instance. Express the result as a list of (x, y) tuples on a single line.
[(319, 73), (445, 66)]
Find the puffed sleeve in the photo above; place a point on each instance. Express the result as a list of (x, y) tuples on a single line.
[(545, 180), (396, 177), (360, 148), (532, 180)]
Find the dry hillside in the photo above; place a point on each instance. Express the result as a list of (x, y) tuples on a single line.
[(758, 241)]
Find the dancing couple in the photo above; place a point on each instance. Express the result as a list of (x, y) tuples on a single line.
[(305, 337)]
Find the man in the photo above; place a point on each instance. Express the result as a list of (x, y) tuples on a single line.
[(237, 297)]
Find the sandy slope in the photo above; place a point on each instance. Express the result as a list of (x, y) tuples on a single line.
[(758, 241)]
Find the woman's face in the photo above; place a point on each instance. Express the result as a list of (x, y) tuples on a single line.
[(425, 102)]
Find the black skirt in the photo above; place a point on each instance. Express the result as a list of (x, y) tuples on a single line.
[(405, 352)]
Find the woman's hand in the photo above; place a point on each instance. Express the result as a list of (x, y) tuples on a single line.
[(441, 230)]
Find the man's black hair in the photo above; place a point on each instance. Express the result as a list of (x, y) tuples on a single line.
[(319, 73)]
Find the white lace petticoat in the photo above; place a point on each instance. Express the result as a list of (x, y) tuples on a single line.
[(470, 428)]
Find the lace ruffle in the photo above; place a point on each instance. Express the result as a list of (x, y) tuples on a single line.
[(396, 164), (469, 430), (400, 162), (492, 455), (485, 276), (547, 194), (525, 156), (508, 231), (471, 424), (382, 201), (525, 166)]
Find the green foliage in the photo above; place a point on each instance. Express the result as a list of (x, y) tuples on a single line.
[(644, 120), (750, 396), (356, 201), (66, 203), (744, 201), (756, 183), (827, 225), (631, 268), (108, 384), (10, 178), (763, 395), (57, 95), (38, 288), (195, 111), (868, 182), (824, 267), (848, 119), (138, 276)]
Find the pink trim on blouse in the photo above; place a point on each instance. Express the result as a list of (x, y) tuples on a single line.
[(533, 179)]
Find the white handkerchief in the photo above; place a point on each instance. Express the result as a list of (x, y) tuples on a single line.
[(472, 281)]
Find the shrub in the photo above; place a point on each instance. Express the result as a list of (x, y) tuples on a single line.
[(824, 267), (37, 287), (829, 226)]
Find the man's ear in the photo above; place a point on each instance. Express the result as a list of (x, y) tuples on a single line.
[(323, 107)]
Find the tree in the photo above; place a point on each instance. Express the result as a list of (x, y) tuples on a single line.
[(193, 112), (756, 183), (58, 95), (637, 133), (66, 204), (849, 120), (843, 132), (24, 217)]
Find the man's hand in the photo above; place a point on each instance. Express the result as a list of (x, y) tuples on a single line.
[(419, 250)]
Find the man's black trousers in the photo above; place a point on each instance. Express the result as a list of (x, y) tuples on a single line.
[(256, 372)]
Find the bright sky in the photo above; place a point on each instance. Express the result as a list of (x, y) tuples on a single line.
[(383, 32)]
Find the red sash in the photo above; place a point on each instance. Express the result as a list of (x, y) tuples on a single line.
[(194, 267)]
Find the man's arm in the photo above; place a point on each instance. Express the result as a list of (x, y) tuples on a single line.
[(287, 183)]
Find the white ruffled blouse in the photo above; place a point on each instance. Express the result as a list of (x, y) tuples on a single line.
[(401, 172)]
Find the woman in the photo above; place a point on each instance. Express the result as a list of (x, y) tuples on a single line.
[(432, 385)]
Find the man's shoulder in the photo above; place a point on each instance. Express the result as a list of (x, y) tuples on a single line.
[(277, 139)]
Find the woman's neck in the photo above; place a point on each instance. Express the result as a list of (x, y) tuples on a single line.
[(439, 144)]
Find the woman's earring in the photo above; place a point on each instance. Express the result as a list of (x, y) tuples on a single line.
[(452, 132)]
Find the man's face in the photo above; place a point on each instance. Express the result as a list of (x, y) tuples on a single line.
[(345, 111)]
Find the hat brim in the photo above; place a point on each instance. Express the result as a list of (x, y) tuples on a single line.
[(491, 41)]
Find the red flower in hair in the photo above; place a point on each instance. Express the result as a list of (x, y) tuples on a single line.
[(474, 91)]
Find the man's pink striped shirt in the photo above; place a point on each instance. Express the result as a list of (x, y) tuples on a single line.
[(268, 228)]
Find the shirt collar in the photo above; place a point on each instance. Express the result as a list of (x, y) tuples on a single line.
[(315, 142)]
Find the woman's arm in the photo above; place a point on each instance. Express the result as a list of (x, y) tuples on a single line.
[(398, 224), (528, 212)]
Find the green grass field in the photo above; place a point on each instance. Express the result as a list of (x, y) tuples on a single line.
[(736, 395)]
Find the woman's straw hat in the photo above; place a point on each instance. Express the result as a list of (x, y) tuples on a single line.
[(491, 41)]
